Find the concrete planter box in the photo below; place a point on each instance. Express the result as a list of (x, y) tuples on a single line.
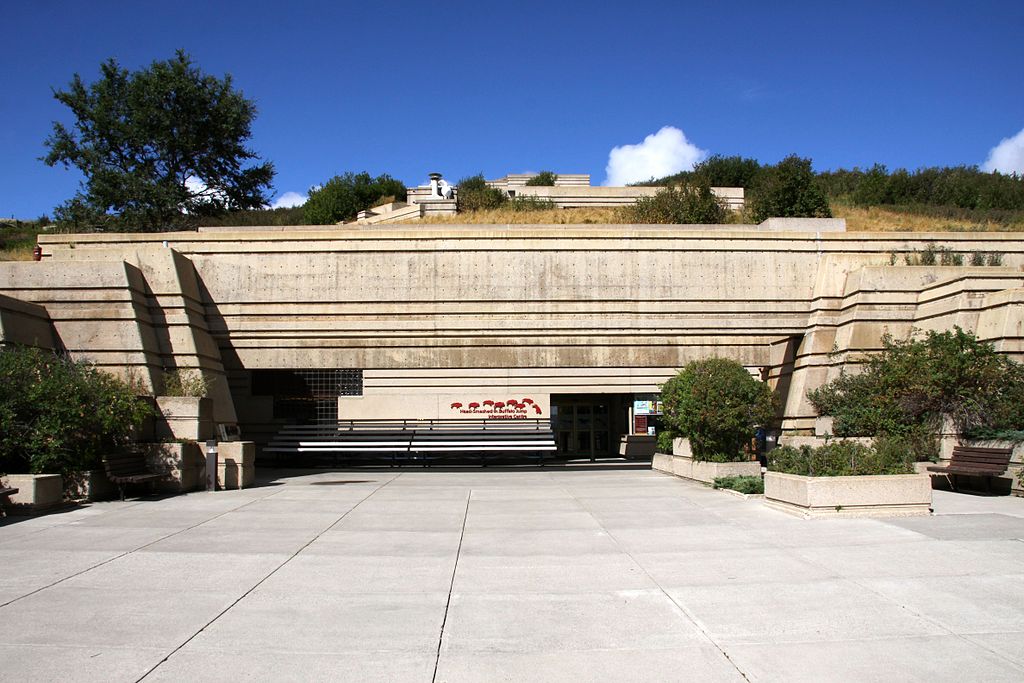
[(707, 472), (90, 485), (637, 446), (36, 492), (183, 417), (236, 464), (183, 465), (886, 495)]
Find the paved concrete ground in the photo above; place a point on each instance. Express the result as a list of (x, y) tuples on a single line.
[(481, 575)]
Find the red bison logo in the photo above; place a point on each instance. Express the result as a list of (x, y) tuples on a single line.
[(474, 406), (537, 409), (488, 403), (527, 400), (499, 405), (456, 406)]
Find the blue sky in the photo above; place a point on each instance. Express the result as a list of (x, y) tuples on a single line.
[(460, 88)]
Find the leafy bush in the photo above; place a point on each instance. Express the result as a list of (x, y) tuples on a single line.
[(960, 187), (344, 196), (59, 415), (684, 203), (746, 485), (474, 194), (911, 386), (665, 437), (840, 459), (787, 189), (718, 406), (542, 179), (530, 204), (186, 383)]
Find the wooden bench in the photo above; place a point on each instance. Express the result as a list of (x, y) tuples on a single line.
[(4, 492), (975, 462), (423, 442), (128, 468)]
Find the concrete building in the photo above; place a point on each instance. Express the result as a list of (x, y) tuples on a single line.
[(570, 191), (449, 321)]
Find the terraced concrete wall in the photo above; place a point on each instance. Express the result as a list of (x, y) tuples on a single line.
[(435, 312)]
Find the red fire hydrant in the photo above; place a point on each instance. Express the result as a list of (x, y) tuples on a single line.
[(37, 253)]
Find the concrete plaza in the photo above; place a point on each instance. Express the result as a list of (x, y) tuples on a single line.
[(556, 574)]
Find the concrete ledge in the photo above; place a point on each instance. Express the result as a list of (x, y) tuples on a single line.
[(887, 495), (706, 472), (36, 492), (184, 417)]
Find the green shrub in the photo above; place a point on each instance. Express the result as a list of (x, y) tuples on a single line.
[(746, 485), (718, 406), (542, 179), (689, 203), (59, 415), (474, 194), (839, 459), (186, 383), (344, 196), (528, 203), (910, 387), (665, 437), (787, 189)]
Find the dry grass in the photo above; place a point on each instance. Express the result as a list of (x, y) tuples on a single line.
[(878, 219), (508, 216), (16, 254), (874, 219)]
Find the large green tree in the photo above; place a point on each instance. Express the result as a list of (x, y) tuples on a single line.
[(158, 147)]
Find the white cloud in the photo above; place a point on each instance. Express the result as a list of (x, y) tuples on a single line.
[(1007, 156), (289, 200), (661, 154)]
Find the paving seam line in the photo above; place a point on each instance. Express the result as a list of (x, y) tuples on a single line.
[(451, 585), (682, 609), (133, 550), (915, 613), (260, 582)]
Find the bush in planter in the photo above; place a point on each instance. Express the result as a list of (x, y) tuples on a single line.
[(59, 415), (910, 387), (665, 437), (746, 485), (474, 194), (717, 405), (841, 458)]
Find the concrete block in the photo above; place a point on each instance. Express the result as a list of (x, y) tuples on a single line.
[(184, 417), (707, 472), (36, 492), (858, 496), (236, 464)]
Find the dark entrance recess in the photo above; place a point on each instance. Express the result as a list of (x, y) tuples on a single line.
[(307, 396), (589, 425)]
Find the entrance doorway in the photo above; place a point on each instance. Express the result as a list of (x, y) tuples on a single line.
[(588, 425)]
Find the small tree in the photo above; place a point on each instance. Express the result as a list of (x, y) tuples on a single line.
[(542, 179), (681, 203), (158, 147), (911, 387), (718, 406), (722, 171), (58, 415), (788, 189), (344, 196), (474, 194)]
